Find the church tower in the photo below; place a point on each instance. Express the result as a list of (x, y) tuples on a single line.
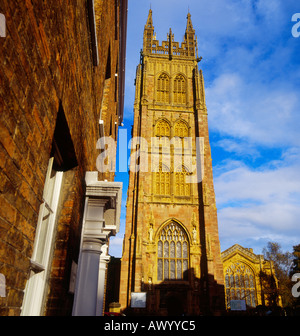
[(171, 250)]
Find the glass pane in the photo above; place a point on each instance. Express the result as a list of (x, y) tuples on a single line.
[(181, 236), (228, 297), (227, 281), (242, 294), (172, 269), (179, 269), (246, 281), (251, 281), (159, 269), (232, 296), (166, 269), (185, 266), (159, 249), (184, 250), (178, 250), (172, 250), (228, 294), (252, 299), (237, 282), (242, 281), (166, 249), (248, 298), (231, 281)]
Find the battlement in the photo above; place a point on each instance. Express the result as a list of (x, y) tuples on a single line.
[(188, 47), (166, 49)]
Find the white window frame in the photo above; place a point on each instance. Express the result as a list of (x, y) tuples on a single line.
[(40, 261)]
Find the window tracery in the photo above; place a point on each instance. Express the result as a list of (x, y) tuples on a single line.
[(240, 284), (181, 129), (162, 180), (172, 253), (162, 129), (181, 187), (179, 90), (163, 85)]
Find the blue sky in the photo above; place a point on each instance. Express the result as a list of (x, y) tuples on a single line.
[(251, 68)]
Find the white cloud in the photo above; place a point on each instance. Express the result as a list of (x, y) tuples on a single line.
[(258, 112), (243, 183), (115, 246), (116, 242), (243, 149), (263, 203), (268, 222)]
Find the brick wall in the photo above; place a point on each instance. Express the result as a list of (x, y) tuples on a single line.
[(46, 62)]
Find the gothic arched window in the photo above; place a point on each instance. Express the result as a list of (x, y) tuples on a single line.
[(163, 85), (162, 129), (181, 129), (240, 284), (182, 188), (179, 90), (162, 180), (172, 253)]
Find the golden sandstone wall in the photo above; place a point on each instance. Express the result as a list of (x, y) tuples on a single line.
[(249, 277), (170, 102)]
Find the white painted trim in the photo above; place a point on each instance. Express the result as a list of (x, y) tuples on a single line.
[(35, 286)]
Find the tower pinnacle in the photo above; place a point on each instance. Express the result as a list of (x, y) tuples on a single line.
[(149, 23), (148, 32), (189, 25), (189, 37), (170, 48)]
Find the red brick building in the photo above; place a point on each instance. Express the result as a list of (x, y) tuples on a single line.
[(62, 66)]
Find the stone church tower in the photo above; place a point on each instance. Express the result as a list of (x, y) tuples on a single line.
[(171, 249)]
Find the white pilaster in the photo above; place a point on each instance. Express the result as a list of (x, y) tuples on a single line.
[(100, 221), (104, 260)]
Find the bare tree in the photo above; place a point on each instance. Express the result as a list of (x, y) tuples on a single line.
[(296, 269), (282, 262)]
